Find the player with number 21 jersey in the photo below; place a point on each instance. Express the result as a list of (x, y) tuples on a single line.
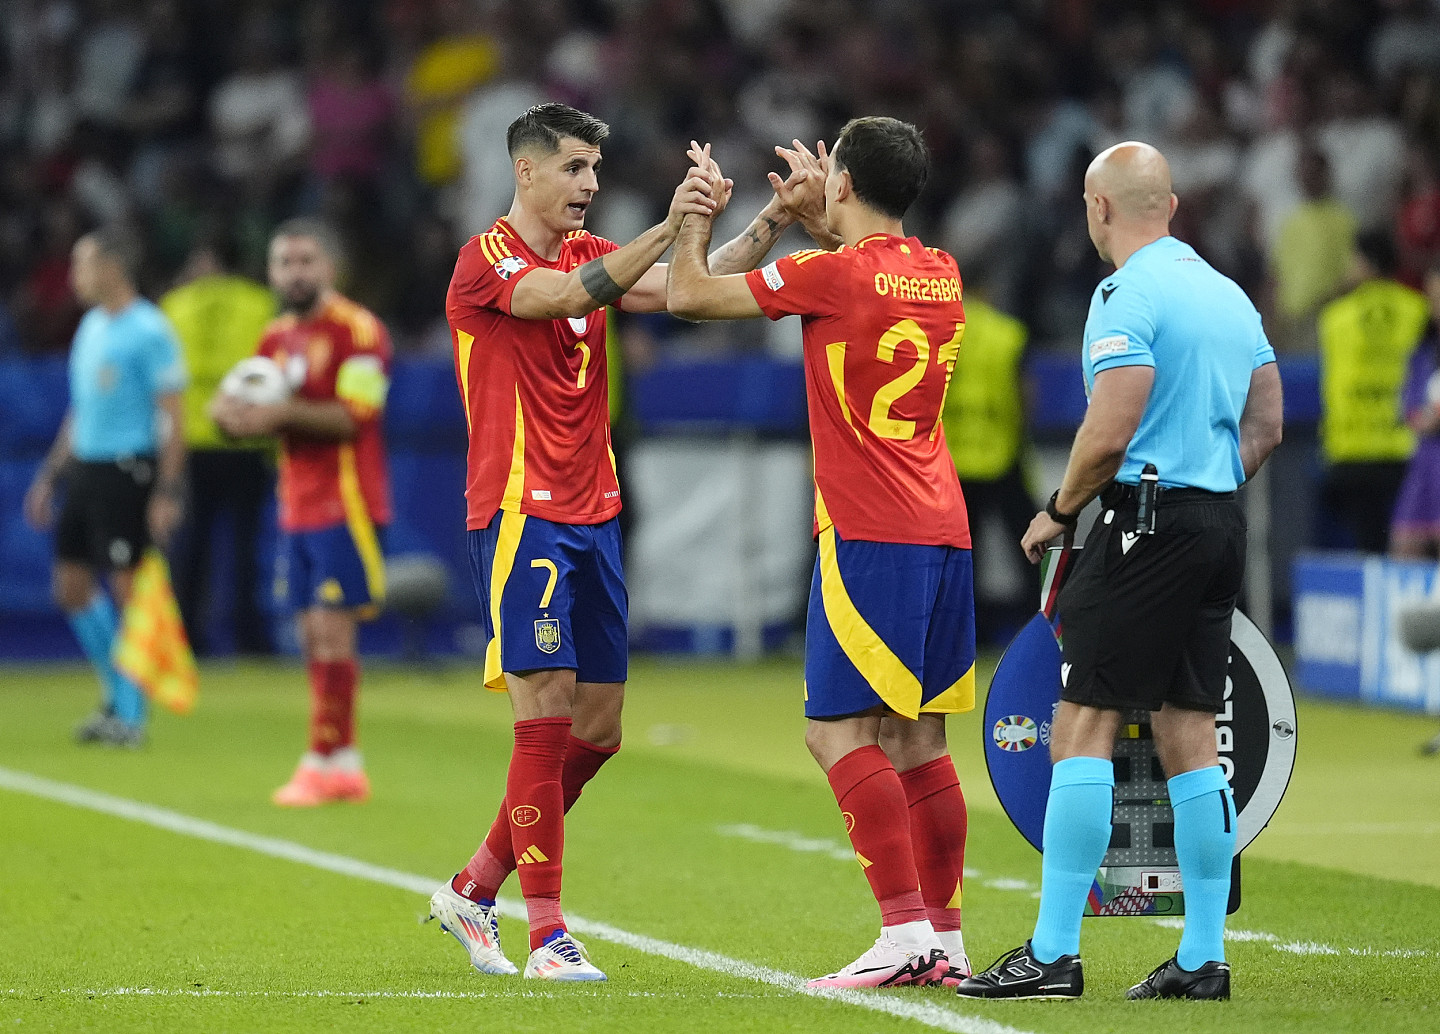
[(883, 324)]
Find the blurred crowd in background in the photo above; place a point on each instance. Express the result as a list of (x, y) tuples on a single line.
[(1303, 137), (1291, 126)]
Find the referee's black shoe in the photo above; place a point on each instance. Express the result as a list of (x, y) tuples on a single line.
[(1210, 982), (1019, 974)]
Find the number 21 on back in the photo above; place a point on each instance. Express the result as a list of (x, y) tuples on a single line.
[(880, 421)]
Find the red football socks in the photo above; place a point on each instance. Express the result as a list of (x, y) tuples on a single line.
[(332, 704), (495, 859), (536, 804), (582, 761), (938, 824), (872, 802)]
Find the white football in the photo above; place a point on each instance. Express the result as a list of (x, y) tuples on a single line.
[(258, 380)]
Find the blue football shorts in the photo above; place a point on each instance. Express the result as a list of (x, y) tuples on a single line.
[(891, 625), (554, 597), (332, 567)]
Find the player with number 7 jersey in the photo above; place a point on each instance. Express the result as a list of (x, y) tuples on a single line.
[(890, 634), (534, 391), (527, 312)]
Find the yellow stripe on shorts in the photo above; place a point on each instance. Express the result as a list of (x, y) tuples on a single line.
[(895, 684), (958, 697), (507, 544), (362, 531)]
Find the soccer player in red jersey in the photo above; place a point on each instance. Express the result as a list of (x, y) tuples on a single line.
[(334, 490), (526, 312), (890, 644)]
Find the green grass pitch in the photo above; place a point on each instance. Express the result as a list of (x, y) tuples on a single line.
[(711, 832)]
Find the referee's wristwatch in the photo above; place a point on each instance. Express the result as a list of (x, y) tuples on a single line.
[(1069, 520)]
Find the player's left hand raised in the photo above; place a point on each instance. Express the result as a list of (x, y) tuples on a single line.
[(706, 168)]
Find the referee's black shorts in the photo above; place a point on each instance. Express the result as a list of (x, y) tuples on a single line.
[(1145, 619), (103, 521)]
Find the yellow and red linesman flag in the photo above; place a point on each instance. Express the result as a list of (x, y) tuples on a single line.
[(152, 648)]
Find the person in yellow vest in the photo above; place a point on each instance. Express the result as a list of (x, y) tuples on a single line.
[(984, 420), (218, 317), (459, 58), (1366, 340)]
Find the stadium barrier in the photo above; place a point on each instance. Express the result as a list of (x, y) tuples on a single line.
[(1349, 623), (719, 487)]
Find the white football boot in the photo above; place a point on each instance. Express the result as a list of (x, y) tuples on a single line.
[(561, 957), (475, 927), (887, 964), (954, 944)]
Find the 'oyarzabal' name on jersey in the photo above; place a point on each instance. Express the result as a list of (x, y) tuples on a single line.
[(918, 288)]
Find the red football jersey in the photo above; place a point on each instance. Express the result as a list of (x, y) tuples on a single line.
[(535, 391), (342, 353), (882, 327)]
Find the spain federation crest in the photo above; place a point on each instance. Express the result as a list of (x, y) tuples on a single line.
[(547, 635)]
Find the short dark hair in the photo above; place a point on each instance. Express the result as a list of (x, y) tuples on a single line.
[(1378, 249), (121, 245), (319, 231), (886, 160), (544, 125)]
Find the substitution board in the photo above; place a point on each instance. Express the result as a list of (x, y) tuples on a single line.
[(1255, 737)]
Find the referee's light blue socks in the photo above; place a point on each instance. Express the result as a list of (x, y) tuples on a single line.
[(1077, 834), (1204, 845), (96, 627)]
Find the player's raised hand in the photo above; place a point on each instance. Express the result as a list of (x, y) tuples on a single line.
[(802, 193), (720, 187), (706, 167), (695, 194)]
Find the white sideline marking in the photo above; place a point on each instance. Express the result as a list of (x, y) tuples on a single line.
[(197, 992), (793, 841), (1308, 947), (799, 842), (163, 818), (836, 850)]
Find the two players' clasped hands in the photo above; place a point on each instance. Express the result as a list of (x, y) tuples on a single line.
[(705, 191)]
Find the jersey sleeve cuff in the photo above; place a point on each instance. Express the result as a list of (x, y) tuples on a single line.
[(1132, 359), (509, 289)]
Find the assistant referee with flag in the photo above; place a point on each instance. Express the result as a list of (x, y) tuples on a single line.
[(1185, 405)]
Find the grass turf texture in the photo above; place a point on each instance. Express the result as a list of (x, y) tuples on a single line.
[(224, 939)]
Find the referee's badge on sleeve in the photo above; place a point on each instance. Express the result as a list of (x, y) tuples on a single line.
[(1119, 344)]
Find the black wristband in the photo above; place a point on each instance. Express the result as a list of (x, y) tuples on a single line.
[(1067, 519), (596, 280)]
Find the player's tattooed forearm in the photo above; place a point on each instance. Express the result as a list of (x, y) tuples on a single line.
[(596, 280), (744, 251), (772, 230)]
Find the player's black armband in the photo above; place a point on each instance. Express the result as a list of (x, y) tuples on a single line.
[(1067, 519), (598, 282)]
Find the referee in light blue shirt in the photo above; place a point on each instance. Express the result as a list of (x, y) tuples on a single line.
[(121, 451), (1185, 405)]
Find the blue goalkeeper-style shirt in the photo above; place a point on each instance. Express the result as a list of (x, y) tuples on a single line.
[(1168, 308), (120, 365)]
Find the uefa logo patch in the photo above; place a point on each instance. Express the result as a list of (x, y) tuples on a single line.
[(1015, 732), (509, 266), (525, 815), (547, 635)]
